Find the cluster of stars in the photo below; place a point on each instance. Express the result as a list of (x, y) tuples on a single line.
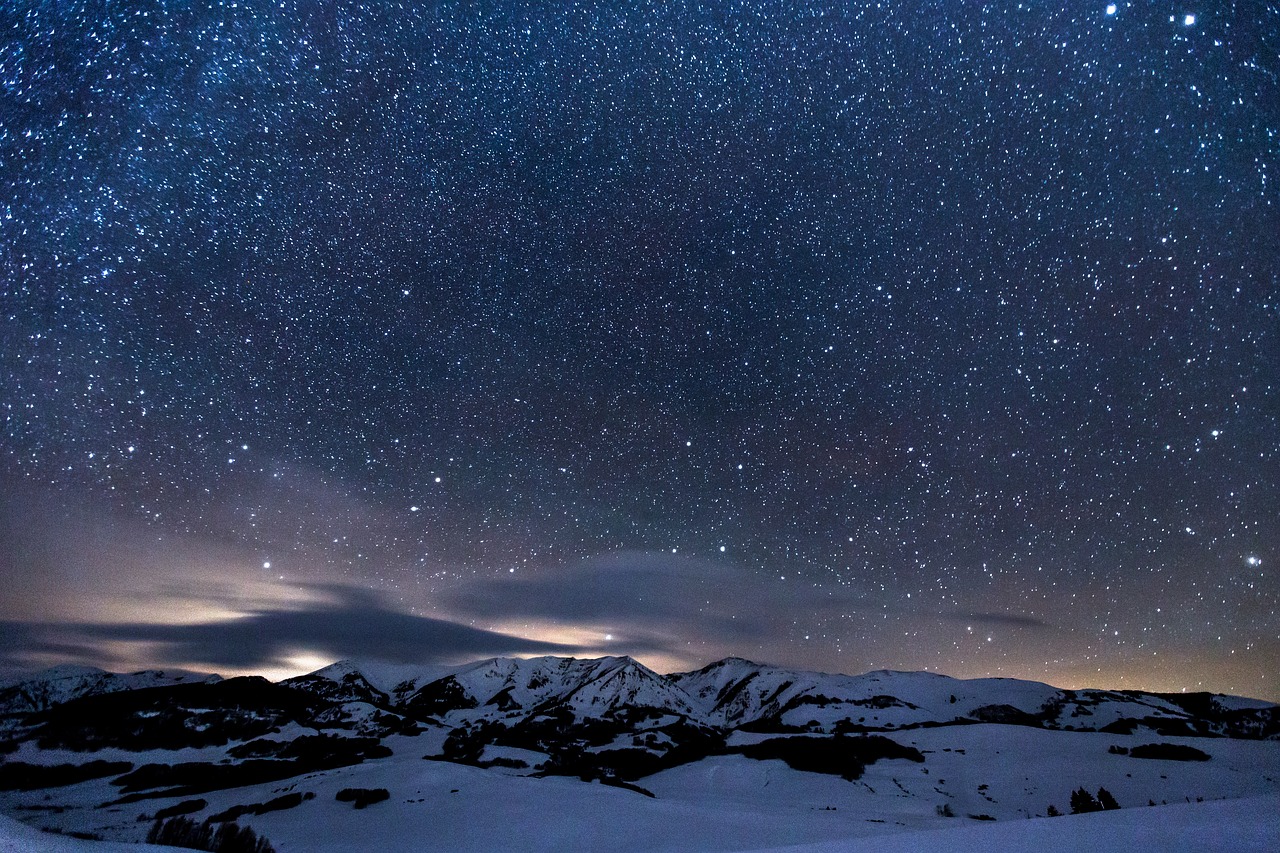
[(947, 311)]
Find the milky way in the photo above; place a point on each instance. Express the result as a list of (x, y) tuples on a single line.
[(841, 335)]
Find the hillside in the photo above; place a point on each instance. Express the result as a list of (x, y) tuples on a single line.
[(567, 750)]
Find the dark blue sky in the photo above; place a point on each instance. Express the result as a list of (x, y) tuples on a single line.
[(840, 335)]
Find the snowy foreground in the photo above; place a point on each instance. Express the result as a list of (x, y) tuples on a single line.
[(733, 803), (1229, 826)]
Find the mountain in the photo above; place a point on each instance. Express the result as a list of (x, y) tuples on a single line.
[(738, 694), (93, 752), (340, 683), (42, 690), (500, 688)]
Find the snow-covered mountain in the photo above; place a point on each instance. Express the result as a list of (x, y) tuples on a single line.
[(500, 688), (729, 694), (109, 755), (41, 690), (736, 693)]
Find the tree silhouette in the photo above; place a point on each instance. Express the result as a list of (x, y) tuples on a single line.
[(1107, 801), (1082, 802)]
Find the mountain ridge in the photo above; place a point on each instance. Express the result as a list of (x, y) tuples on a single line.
[(78, 747), (727, 693)]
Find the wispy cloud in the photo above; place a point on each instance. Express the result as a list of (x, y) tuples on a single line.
[(345, 623)]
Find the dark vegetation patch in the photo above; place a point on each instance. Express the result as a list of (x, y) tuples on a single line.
[(1198, 704), (503, 700), (1082, 802), (877, 703), (320, 750), (503, 761), (846, 757), (733, 690), (1168, 752), (629, 786), (555, 730), (227, 838), (393, 724), (1247, 723), (198, 777), (183, 808), (20, 776), (402, 691), (279, 804), (352, 687), (361, 797), (1008, 715), (1166, 726), (627, 764), (848, 727), (438, 698), (163, 717), (573, 746)]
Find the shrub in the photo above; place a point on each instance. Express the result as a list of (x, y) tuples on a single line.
[(287, 801), (846, 757), (1083, 802), (228, 838), (1168, 752), (361, 797)]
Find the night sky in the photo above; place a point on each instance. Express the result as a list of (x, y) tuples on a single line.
[(838, 335)]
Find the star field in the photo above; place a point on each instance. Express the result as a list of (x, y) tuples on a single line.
[(841, 335)]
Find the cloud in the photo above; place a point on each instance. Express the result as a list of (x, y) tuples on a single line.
[(693, 608), (1006, 619), (653, 600), (26, 645), (352, 623)]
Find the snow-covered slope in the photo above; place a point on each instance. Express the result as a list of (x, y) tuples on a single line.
[(1230, 826), (586, 688), (735, 756), (340, 682), (506, 688), (721, 803), (17, 837), (736, 692)]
